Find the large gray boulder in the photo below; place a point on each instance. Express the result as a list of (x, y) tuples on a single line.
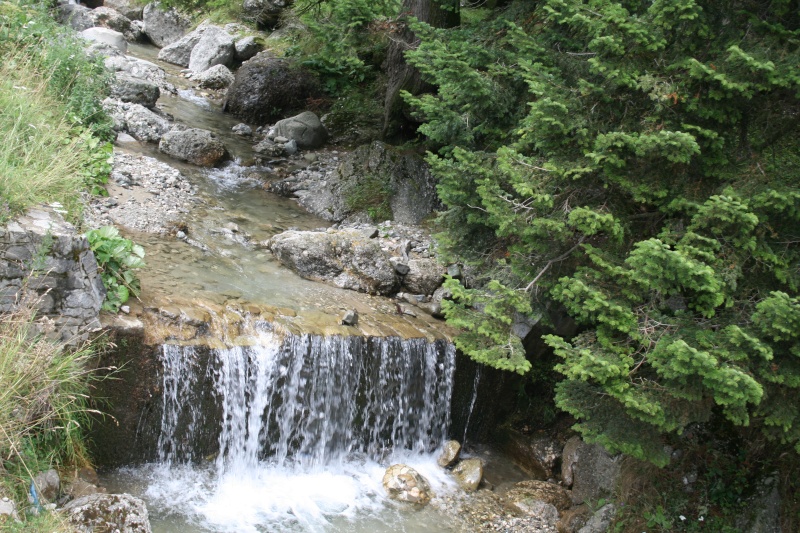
[(346, 258), (136, 120), (121, 513), (267, 88), (425, 275), (215, 47), (129, 8), (136, 90), (403, 483), (164, 27), (75, 16), (246, 47), (601, 520), (265, 13), (374, 181), (469, 473), (199, 147), (178, 53), (217, 77), (141, 69), (589, 469), (305, 128), (111, 18), (106, 36)]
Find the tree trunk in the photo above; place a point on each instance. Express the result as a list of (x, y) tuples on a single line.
[(401, 75)]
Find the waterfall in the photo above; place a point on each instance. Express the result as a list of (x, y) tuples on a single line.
[(305, 400)]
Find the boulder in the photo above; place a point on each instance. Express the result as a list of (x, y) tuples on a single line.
[(589, 469), (535, 454), (424, 276), (114, 20), (573, 519), (762, 512), (217, 77), (139, 68), (305, 129), (350, 318), (75, 16), (523, 493), (405, 484), (137, 120), (215, 47), (450, 452), (178, 53), (469, 473), (164, 27), (135, 90), (128, 8), (269, 149), (344, 258), (8, 511), (265, 13), (242, 129), (267, 88), (48, 485), (80, 488), (121, 513), (107, 36), (601, 520), (199, 147), (246, 47)]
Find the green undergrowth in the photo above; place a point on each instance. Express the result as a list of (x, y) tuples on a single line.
[(44, 387), (54, 129), (118, 259)]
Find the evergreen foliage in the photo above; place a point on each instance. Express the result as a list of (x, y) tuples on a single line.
[(635, 163)]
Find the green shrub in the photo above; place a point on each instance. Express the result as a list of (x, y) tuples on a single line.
[(118, 257)]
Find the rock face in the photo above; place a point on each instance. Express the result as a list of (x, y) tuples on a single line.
[(136, 120), (217, 77), (164, 27), (589, 469), (469, 473), (345, 258), (135, 90), (199, 147), (535, 454), (450, 452), (405, 484), (108, 512), (267, 88), (265, 13), (525, 492), (374, 181), (305, 129), (65, 284), (107, 36), (48, 485), (215, 47)]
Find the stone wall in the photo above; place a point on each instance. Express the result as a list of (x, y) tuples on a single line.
[(45, 261)]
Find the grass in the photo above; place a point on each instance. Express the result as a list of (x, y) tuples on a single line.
[(43, 404)]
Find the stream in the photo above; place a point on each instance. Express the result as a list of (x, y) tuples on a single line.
[(299, 427)]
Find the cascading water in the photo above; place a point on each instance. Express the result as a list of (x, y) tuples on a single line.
[(293, 433)]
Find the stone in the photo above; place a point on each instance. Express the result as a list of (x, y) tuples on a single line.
[(589, 469), (164, 27), (120, 513), (269, 148), (454, 271), (216, 77), (199, 147), (290, 147), (242, 129), (8, 511), (450, 453), (400, 265), (601, 520), (265, 13), (75, 16), (344, 258), (135, 90), (424, 276), (574, 518), (246, 47), (305, 129), (112, 19), (523, 493), (350, 318), (405, 484), (536, 454), (107, 36), (48, 485), (80, 488), (141, 69), (762, 511), (137, 120), (128, 8), (215, 47), (267, 88), (179, 52), (469, 473)]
